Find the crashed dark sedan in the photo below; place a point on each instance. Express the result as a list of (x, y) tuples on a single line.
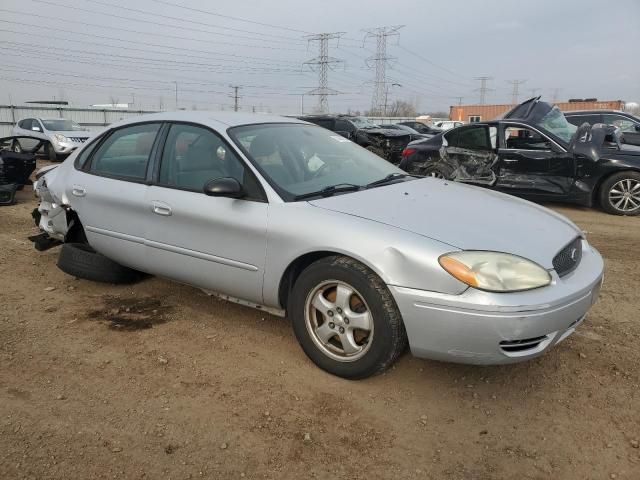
[(535, 153), (16, 166)]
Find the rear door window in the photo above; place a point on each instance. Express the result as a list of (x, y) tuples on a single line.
[(125, 154), (578, 120), (473, 138)]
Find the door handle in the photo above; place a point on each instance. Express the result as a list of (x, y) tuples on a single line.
[(78, 191), (160, 208)]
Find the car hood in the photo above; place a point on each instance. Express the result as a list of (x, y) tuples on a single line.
[(74, 134), (463, 216)]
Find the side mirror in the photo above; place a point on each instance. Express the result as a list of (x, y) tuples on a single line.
[(224, 187), (35, 128), (637, 127)]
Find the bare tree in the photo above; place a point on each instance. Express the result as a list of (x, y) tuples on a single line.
[(114, 100)]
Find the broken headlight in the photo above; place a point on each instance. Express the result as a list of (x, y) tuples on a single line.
[(494, 271), (60, 138)]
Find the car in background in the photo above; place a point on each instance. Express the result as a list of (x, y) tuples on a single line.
[(628, 124), (448, 124), (421, 127), (353, 251), (534, 152), (387, 143), (61, 136), (405, 128)]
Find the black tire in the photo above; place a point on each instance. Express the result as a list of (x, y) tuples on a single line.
[(51, 153), (389, 336), (16, 147), (611, 186), (82, 261)]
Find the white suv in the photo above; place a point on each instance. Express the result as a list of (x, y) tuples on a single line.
[(62, 136)]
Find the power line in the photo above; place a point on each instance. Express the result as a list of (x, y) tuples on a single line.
[(516, 86), (483, 88), (322, 63), (380, 60)]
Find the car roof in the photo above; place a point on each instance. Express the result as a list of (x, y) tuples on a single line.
[(228, 119), (597, 110)]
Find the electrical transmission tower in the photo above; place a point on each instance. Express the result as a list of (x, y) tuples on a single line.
[(379, 61), (516, 90), (483, 88), (322, 63), (236, 98)]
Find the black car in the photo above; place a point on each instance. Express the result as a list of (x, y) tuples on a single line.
[(627, 123), (534, 152), (387, 143), (15, 167), (422, 128)]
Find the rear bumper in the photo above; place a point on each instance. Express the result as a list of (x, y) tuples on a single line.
[(487, 328)]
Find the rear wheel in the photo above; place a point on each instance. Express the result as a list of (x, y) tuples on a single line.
[(82, 261), (435, 170), (345, 318), (15, 146), (620, 194)]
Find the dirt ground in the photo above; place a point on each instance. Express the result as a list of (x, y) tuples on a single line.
[(159, 381)]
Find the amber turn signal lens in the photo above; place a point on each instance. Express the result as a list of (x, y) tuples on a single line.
[(459, 270)]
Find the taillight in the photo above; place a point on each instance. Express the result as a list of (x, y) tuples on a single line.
[(408, 151)]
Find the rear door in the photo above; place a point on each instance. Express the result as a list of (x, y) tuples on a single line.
[(109, 193), (532, 164), (470, 155)]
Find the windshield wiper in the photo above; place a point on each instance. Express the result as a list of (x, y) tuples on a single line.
[(389, 178), (330, 190)]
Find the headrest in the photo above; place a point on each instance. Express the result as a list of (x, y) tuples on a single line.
[(199, 157), (262, 146)]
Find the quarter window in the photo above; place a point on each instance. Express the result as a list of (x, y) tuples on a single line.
[(522, 138), (126, 152)]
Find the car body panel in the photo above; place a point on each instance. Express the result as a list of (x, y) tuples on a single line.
[(244, 248)]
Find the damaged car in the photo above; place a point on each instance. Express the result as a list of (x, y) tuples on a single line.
[(535, 153), (284, 216), (15, 166), (387, 143)]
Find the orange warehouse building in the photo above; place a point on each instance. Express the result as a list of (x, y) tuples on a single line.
[(482, 113)]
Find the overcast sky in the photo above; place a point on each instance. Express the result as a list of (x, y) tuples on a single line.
[(96, 51)]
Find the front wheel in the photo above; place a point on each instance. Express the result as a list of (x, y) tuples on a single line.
[(345, 318), (620, 194), (51, 153)]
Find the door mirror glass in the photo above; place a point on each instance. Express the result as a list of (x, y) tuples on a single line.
[(224, 187), (36, 128)]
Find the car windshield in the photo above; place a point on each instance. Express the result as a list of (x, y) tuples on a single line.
[(556, 123), (299, 159), (62, 125), (362, 122)]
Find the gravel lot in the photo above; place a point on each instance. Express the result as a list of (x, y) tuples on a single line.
[(158, 380)]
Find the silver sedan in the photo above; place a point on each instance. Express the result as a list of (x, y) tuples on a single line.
[(291, 218)]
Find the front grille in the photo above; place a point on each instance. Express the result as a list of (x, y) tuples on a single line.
[(512, 346), (78, 139), (568, 259)]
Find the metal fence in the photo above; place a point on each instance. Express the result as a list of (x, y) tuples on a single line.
[(95, 119), (91, 118)]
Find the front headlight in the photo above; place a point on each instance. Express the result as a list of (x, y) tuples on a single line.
[(60, 138), (494, 271)]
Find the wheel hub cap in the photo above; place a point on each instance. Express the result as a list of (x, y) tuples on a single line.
[(625, 195), (339, 321)]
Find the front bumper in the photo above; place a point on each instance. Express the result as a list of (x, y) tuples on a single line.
[(486, 328)]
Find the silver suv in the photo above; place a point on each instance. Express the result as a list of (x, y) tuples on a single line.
[(62, 136)]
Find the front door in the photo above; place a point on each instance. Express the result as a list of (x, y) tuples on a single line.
[(214, 243), (531, 164), (469, 155)]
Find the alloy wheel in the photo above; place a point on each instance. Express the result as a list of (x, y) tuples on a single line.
[(624, 196), (339, 321)]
